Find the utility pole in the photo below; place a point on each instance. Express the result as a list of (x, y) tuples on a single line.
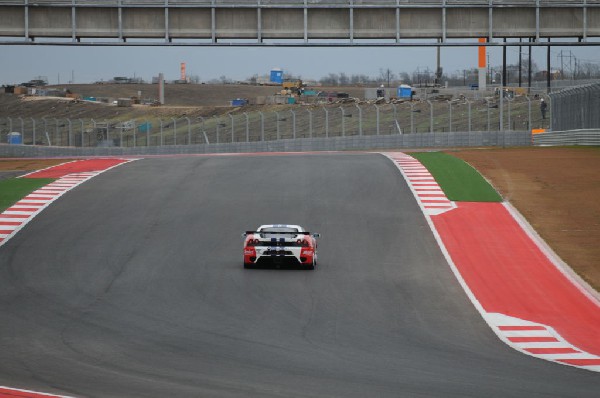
[(504, 80), (529, 68), (520, 60)]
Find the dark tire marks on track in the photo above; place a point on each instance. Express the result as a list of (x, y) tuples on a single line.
[(132, 285)]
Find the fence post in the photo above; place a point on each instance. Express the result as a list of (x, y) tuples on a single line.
[(107, 131), (174, 130), (412, 118), (46, 127), (326, 122), (469, 112), (82, 128), (56, 131), (94, 126), (69, 139), (343, 122), (161, 133), (310, 123), (10, 124), (360, 130), (449, 116), (121, 136), (377, 112), (134, 134), (277, 123), (22, 129), (232, 128), (189, 130), (293, 123), (203, 129), (509, 110), (528, 113), (487, 102), (430, 116), (247, 127), (33, 132), (262, 126), (217, 127), (148, 128)]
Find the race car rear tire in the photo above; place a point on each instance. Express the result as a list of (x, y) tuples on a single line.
[(248, 265)]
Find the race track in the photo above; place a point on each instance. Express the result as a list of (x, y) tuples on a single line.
[(132, 285)]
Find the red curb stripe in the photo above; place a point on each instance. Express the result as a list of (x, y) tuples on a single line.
[(4, 392), (87, 166), (38, 198), (539, 339), (542, 351), (11, 223), (14, 215), (7, 231)]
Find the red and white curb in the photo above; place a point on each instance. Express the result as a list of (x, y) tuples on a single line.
[(16, 393), (430, 196), (530, 338), (18, 215), (540, 341)]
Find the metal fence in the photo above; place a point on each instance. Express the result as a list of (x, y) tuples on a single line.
[(576, 108), (282, 123), (374, 142)]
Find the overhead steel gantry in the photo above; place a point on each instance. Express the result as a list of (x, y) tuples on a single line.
[(298, 22)]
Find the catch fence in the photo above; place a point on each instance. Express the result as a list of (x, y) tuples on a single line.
[(283, 123), (576, 108)]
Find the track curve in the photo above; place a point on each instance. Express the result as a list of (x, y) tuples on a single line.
[(132, 285)]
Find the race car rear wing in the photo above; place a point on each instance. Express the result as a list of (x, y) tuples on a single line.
[(280, 233)]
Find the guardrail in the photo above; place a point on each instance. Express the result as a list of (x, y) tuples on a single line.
[(571, 137)]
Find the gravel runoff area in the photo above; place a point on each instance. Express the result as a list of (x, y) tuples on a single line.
[(556, 189)]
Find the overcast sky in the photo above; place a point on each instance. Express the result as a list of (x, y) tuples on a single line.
[(89, 64)]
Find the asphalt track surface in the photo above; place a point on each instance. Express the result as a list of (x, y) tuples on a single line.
[(132, 285)]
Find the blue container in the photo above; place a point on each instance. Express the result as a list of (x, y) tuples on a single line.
[(15, 138), (89, 99), (291, 100), (238, 102), (276, 76), (404, 91), (145, 127)]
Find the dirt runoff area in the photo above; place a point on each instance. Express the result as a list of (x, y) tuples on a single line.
[(10, 168), (558, 192), (556, 189)]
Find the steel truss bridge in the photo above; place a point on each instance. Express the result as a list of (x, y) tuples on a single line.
[(299, 22)]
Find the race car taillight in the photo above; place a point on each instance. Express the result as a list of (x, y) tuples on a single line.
[(303, 242), (253, 242)]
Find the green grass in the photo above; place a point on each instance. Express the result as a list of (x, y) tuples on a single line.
[(459, 181), (14, 189)]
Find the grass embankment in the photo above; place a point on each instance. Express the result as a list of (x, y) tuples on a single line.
[(15, 189), (459, 181)]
